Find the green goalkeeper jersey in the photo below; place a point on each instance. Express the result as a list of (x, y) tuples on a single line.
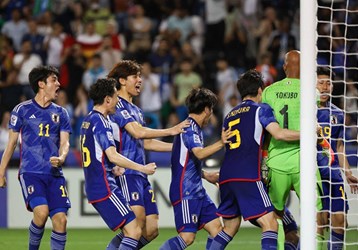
[(284, 98)]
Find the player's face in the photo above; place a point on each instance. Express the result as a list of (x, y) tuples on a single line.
[(325, 87), (134, 84), (52, 87)]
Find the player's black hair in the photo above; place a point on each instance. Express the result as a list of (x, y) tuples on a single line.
[(123, 69), (41, 73), (325, 71), (200, 98), (249, 83), (102, 88)]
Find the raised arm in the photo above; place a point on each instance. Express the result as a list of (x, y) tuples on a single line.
[(9, 151), (202, 153), (140, 132), (282, 134), (156, 145), (122, 161)]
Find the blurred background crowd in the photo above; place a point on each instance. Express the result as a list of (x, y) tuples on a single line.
[(180, 43)]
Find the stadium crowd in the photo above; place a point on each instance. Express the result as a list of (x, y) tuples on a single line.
[(181, 44)]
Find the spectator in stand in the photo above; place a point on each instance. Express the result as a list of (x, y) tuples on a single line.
[(121, 9), (95, 72), (150, 101), (72, 69), (45, 23), (4, 130), (99, 15), (53, 44), (24, 62), (15, 28), (226, 78), (215, 25), (83, 105), (90, 41), (118, 39), (281, 41), (37, 40), (267, 25), (109, 55), (184, 82), (267, 70), (139, 32), (179, 26)]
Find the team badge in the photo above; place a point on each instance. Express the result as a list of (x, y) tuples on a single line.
[(194, 218), (30, 189), (196, 139), (55, 118), (135, 196), (110, 136), (125, 114), (333, 119), (13, 120)]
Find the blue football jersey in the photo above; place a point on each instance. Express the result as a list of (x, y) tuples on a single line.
[(96, 137), (331, 119), (242, 159), (39, 130), (127, 145), (186, 168)]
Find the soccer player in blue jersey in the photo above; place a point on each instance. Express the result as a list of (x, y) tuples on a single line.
[(242, 192), (193, 208), (132, 139), (100, 159), (44, 129), (335, 205)]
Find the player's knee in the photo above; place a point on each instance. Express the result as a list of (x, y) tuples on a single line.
[(59, 222), (188, 238), (40, 216), (152, 234)]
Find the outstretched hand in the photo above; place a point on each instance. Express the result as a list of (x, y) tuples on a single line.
[(179, 128), (226, 135), (353, 183), (212, 177)]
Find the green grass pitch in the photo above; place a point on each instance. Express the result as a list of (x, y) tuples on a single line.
[(97, 239)]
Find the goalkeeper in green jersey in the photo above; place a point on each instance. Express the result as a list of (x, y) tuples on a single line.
[(284, 157)]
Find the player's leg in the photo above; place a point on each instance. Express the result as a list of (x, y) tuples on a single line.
[(338, 209), (59, 204), (209, 220), (186, 222), (269, 228), (279, 186), (116, 215), (34, 193), (291, 231), (134, 190), (223, 238), (150, 231)]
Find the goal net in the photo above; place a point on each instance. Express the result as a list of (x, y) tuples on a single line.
[(337, 51)]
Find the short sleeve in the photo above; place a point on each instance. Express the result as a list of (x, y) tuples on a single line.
[(192, 140), (104, 135), (266, 115), (122, 117), (65, 121), (16, 120)]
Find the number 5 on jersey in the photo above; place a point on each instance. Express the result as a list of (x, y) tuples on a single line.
[(235, 133)]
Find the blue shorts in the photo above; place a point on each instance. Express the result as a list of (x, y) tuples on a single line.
[(114, 210), (334, 198), (247, 199), (191, 215), (138, 192), (41, 189)]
